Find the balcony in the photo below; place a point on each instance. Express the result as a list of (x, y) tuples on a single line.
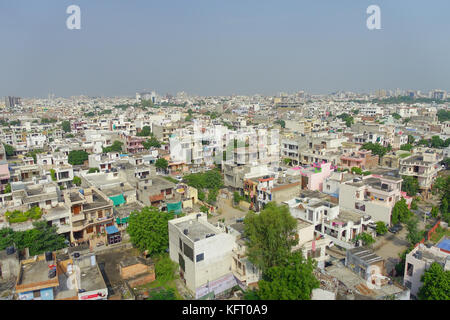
[(64, 228), (78, 217)]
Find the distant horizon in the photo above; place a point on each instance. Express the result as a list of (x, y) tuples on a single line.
[(132, 95), (221, 48)]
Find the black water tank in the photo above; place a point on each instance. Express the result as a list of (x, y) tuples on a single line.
[(51, 273), (76, 255), (10, 250), (48, 256)]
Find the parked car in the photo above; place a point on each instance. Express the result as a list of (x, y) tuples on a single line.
[(396, 228)]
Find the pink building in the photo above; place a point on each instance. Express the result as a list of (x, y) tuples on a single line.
[(4, 176), (314, 176), (134, 144), (362, 159)]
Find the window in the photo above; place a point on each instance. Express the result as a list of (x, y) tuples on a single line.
[(181, 244), (181, 262), (100, 214), (188, 252), (48, 202), (408, 284), (410, 269), (37, 294), (200, 257)]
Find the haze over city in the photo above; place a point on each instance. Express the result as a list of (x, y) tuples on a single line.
[(221, 47)]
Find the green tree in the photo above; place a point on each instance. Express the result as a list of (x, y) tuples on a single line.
[(204, 209), (436, 283), (161, 164), (66, 126), (39, 239), (437, 142), (366, 238), (145, 104), (411, 139), (145, 132), (163, 294), (444, 210), (9, 150), (434, 212), (237, 197), (356, 170), (381, 228), (53, 174), (115, 147), (287, 161), (7, 188), (148, 230), (271, 235), (292, 280), (212, 195), (410, 185), (93, 170), (282, 123), (400, 212), (376, 148), (78, 157), (152, 142), (414, 235), (165, 268), (423, 142), (414, 205), (396, 116), (406, 147), (76, 181)]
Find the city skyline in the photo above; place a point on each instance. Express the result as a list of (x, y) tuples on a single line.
[(218, 49)]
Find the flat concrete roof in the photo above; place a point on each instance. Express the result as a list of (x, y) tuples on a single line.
[(196, 229), (34, 272), (91, 278)]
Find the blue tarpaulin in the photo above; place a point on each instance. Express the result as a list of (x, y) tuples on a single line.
[(111, 230)]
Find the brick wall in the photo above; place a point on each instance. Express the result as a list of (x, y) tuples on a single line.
[(135, 270), (141, 280)]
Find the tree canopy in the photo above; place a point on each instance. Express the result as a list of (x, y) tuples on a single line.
[(271, 235), (381, 228), (400, 212), (376, 148), (76, 181), (115, 147), (410, 185), (78, 157), (414, 235), (39, 239), (9, 150), (145, 132), (161, 163), (66, 126), (148, 230), (436, 284), (152, 142), (292, 280)]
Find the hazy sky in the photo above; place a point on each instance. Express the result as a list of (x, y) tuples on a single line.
[(221, 47)]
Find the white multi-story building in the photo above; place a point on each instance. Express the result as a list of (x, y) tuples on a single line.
[(204, 254), (371, 195), (418, 261), (423, 165)]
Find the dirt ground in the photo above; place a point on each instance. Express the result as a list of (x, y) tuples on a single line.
[(108, 262), (227, 212), (390, 246)]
